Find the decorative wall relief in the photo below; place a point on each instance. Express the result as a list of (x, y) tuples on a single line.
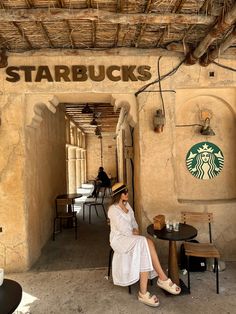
[(205, 160)]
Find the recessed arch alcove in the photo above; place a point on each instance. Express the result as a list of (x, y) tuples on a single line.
[(40, 108), (189, 111), (36, 103)]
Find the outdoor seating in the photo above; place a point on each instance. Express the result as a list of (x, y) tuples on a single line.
[(65, 212), (207, 250), (95, 202)]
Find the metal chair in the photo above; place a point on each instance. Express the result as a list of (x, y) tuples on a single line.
[(96, 202), (207, 250), (65, 211)]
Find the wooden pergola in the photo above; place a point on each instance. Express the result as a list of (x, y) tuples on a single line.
[(200, 31)]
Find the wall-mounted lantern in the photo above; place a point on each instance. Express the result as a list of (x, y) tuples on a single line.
[(206, 128), (159, 121)]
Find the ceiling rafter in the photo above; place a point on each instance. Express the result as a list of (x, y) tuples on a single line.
[(224, 45), (141, 28), (23, 35), (119, 8), (30, 3), (177, 8), (46, 34), (93, 34), (206, 7), (117, 36), (71, 35), (222, 24), (4, 43), (61, 3), (56, 14)]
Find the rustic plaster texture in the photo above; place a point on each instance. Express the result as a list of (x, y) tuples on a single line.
[(162, 182), (101, 153), (45, 177)]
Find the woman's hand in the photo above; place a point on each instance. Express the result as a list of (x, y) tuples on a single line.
[(135, 231)]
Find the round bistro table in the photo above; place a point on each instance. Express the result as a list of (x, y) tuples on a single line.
[(10, 296), (186, 232)]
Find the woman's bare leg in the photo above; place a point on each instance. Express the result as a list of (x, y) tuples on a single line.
[(143, 282), (155, 260)]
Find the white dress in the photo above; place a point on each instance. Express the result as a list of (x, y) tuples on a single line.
[(131, 252)]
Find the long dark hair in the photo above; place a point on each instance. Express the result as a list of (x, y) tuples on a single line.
[(116, 198)]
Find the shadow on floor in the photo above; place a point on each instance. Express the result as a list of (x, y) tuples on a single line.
[(90, 250)]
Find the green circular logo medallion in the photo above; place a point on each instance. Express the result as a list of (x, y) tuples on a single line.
[(205, 160)]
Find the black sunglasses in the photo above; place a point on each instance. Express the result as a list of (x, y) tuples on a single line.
[(125, 191)]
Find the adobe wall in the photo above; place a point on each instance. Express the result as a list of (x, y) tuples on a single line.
[(101, 152), (45, 177), (163, 184)]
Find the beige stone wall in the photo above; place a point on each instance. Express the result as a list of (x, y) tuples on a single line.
[(45, 177), (167, 187), (162, 182), (13, 239), (94, 158)]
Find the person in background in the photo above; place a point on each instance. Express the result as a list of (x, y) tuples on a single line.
[(135, 257), (101, 180)]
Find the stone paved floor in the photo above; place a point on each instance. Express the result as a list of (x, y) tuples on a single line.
[(70, 278), (87, 291)]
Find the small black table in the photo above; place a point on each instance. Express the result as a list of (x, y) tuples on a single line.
[(72, 196), (185, 232), (10, 296), (69, 196)]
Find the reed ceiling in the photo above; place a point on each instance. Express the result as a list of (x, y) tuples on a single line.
[(200, 30), (102, 117)]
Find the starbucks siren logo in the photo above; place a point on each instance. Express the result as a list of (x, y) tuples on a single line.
[(205, 160)]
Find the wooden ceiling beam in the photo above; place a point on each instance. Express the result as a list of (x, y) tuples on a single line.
[(223, 23), (177, 8), (55, 14), (4, 43), (23, 35), (141, 28), (178, 5), (225, 44), (45, 33), (73, 45), (30, 3), (206, 7), (93, 34), (61, 3)]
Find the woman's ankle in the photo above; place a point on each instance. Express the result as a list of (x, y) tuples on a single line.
[(142, 291), (163, 278)]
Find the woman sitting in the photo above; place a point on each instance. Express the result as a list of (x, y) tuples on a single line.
[(135, 257)]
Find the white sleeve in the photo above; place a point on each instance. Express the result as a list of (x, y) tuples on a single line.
[(119, 222), (133, 220)]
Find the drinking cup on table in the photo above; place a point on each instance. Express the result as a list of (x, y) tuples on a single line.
[(176, 226), (1, 276), (169, 226)]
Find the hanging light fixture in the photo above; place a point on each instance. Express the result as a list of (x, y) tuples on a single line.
[(93, 122), (97, 131), (87, 109)]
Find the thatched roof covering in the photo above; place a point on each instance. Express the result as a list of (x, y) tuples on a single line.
[(198, 29), (101, 117), (182, 25)]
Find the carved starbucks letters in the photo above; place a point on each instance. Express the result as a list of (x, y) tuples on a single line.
[(78, 73)]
